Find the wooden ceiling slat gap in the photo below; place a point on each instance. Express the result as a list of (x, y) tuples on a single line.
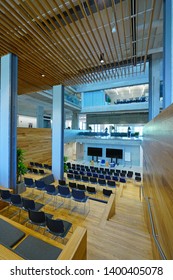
[(113, 40), (108, 62), (31, 43), (124, 33), (83, 52), (100, 48), (130, 39), (70, 47), (149, 31), (65, 65), (117, 31), (86, 42), (101, 67)]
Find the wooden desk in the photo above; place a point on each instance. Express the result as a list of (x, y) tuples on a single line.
[(6, 254)]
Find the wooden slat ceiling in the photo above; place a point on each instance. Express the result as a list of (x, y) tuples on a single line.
[(63, 40)]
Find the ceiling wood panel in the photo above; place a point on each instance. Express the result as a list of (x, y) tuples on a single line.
[(64, 39)]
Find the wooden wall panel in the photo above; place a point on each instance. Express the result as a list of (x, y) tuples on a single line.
[(158, 176), (37, 144)]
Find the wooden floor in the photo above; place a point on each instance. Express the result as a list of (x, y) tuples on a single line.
[(125, 236)]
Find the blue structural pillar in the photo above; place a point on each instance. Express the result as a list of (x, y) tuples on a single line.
[(40, 114), (154, 85), (75, 120), (58, 132), (8, 121), (168, 53)]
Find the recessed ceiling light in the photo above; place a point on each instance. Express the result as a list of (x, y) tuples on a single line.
[(43, 75)]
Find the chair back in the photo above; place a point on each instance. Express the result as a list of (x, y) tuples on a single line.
[(63, 190), (5, 194), (81, 187), (55, 226), (28, 204), (39, 184), (28, 182), (78, 194), (91, 189), (16, 199), (62, 182), (111, 183), (107, 192), (72, 184), (37, 217), (50, 189)]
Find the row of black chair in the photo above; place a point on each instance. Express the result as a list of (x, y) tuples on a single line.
[(57, 227), (40, 165), (61, 190), (95, 179), (19, 201), (90, 189), (36, 171)]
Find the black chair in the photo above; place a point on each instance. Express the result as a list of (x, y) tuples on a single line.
[(91, 190), (52, 191), (5, 196), (111, 184), (38, 218), (115, 178), (72, 185), (129, 174), (102, 182), (62, 182), (77, 177), (30, 204), (81, 187), (16, 200), (95, 175), (85, 179), (35, 171), (29, 183), (93, 180), (80, 197), (70, 176), (107, 193), (122, 180), (41, 171), (64, 192), (107, 177), (58, 228), (138, 178), (101, 176), (40, 185)]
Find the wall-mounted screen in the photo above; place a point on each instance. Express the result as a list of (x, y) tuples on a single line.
[(114, 153), (92, 151)]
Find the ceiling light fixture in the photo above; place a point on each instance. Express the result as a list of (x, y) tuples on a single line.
[(102, 58), (43, 75)]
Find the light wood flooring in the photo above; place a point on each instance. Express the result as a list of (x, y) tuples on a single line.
[(125, 236)]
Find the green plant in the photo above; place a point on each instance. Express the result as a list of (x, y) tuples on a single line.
[(21, 167), (65, 164)]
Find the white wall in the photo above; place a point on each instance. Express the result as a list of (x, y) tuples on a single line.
[(24, 121)]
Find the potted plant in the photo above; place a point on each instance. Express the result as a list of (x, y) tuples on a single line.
[(65, 164), (21, 170)]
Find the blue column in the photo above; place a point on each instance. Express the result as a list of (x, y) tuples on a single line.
[(75, 120), (154, 85), (168, 53), (40, 113), (8, 121), (58, 132)]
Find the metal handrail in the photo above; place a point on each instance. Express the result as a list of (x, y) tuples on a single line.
[(152, 226)]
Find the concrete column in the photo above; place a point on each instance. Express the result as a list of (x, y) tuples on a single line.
[(168, 53), (58, 132), (40, 114), (8, 121), (154, 86), (75, 120)]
